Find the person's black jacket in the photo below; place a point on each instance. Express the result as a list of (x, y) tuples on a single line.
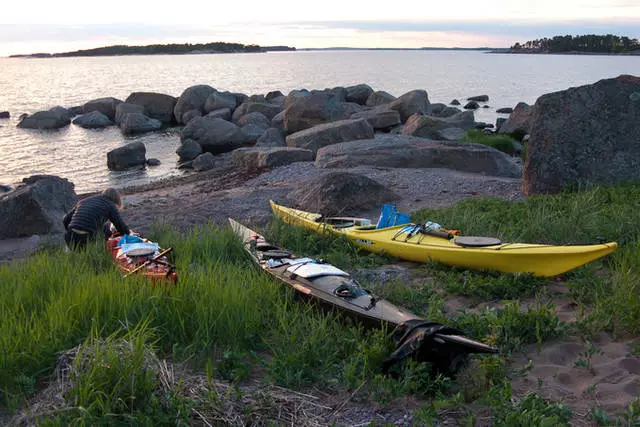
[(91, 213)]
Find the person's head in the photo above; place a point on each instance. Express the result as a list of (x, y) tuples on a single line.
[(113, 195)]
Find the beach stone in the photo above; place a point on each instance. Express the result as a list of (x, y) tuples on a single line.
[(153, 162), (222, 113), (271, 137), (273, 95), (214, 135), (330, 133), (37, 207), (133, 123), (257, 98), (218, 100), (106, 106), (75, 110), (189, 150), (203, 162), (584, 136), (126, 108), (278, 122), (4, 115), (505, 110), (435, 109), (190, 115), (416, 101), (268, 110), (448, 112), (400, 151), (479, 98), (348, 109), (358, 93), (130, 155), (304, 111), (519, 120), (379, 97), (255, 118), (430, 127), (269, 157), (193, 98), (252, 132), (55, 118), (278, 101), (499, 122), (455, 102), (381, 118), (93, 120), (471, 105), (340, 193), (157, 106)]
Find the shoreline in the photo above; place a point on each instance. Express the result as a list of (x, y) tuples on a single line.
[(632, 53)]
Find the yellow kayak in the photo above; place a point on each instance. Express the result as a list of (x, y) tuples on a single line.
[(407, 242)]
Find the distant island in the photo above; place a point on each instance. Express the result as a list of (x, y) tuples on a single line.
[(589, 44), (163, 49)]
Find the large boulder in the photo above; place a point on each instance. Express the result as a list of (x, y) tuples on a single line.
[(589, 135), (271, 137), (379, 98), (431, 127), (414, 102), (331, 133), (214, 135), (359, 93), (126, 108), (189, 150), (341, 193), (218, 100), (203, 162), (519, 120), (381, 118), (131, 155), (265, 108), (37, 207), (4, 115), (133, 123), (193, 98), (221, 113), (93, 120), (254, 118), (54, 118), (479, 98), (106, 106), (269, 157), (158, 106), (398, 151), (304, 111)]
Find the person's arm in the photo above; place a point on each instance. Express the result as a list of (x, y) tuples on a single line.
[(116, 219), (67, 218)]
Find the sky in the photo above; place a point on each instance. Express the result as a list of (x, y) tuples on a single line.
[(62, 26)]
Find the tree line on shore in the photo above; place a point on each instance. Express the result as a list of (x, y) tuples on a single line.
[(608, 43)]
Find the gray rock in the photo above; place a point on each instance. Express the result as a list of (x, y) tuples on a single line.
[(4, 115), (519, 120), (126, 108), (214, 135), (252, 131), (54, 118), (479, 98), (271, 137), (414, 102), (93, 120), (158, 106), (257, 98), (193, 98), (435, 109), (37, 207), (131, 155), (5, 189), (306, 111), (203, 162), (218, 100), (341, 193), (429, 127), (240, 97), (75, 111), (189, 150), (106, 106), (380, 118), (255, 118), (455, 102), (222, 113), (379, 98), (190, 115), (450, 134), (153, 162), (471, 105), (269, 157), (448, 112), (499, 122), (358, 93), (278, 122), (387, 150), (584, 136), (273, 95), (268, 110), (330, 133), (133, 123), (505, 110)]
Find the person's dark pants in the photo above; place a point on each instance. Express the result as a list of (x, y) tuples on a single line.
[(76, 240)]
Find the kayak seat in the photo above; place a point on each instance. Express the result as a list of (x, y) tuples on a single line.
[(476, 241), (264, 246)]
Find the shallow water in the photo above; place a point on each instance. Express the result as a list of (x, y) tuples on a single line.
[(29, 85)]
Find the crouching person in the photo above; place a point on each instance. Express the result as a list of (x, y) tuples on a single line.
[(88, 218)]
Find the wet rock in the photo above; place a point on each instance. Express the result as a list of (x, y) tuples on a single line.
[(214, 135), (193, 98), (218, 100), (4, 115), (455, 102), (54, 118), (157, 106), (479, 98), (126, 108), (203, 162), (93, 120), (471, 105), (131, 155), (153, 162), (133, 123), (189, 150), (106, 106), (505, 110), (222, 113)]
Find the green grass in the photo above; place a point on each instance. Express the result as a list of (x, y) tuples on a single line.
[(227, 317), (500, 142)]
